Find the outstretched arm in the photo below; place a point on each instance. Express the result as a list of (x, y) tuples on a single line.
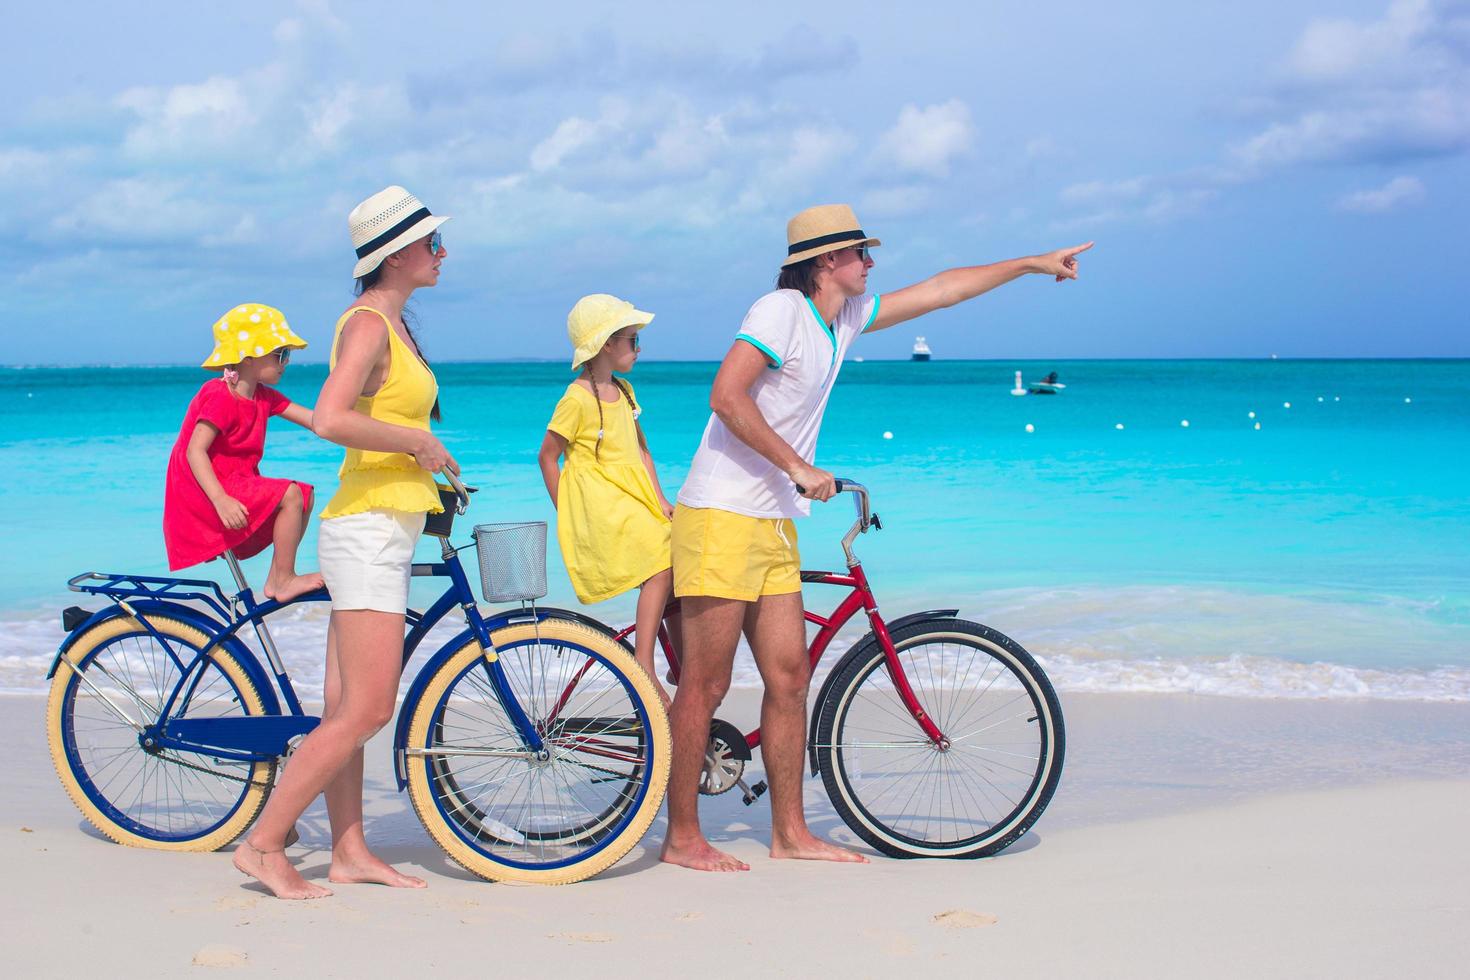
[(299, 414), (957, 285)]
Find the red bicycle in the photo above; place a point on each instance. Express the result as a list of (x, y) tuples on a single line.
[(934, 736)]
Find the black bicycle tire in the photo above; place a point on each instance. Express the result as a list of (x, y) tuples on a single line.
[(860, 663)]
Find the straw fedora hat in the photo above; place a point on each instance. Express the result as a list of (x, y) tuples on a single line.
[(386, 222), (597, 317), (824, 228), (250, 330)]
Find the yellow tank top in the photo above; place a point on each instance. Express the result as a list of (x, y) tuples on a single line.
[(373, 480)]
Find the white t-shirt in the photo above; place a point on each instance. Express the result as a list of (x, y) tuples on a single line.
[(804, 356)]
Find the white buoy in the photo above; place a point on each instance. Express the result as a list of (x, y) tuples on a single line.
[(1019, 389), (1184, 423), (1319, 398), (1337, 398), (888, 435), (1286, 404), (1258, 427), (1407, 400), (1119, 426), (1250, 415), (1030, 427)]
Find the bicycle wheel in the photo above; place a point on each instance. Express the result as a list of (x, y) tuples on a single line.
[(910, 798), (553, 817), (113, 681)]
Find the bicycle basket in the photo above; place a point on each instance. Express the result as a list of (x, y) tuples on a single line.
[(512, 560)]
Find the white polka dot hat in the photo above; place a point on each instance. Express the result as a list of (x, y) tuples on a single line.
[(250, 330)]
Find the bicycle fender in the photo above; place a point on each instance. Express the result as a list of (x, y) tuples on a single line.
[(204, 623), (421, 679), (869, 637)]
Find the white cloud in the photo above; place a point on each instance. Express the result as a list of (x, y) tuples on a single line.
[(1099, 191), (1338, 49), (896, 202), (927, 140), (1380, 90), (1397, 193), (186, 117), (142, 209)]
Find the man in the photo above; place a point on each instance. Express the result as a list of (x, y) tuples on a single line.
[(736, 566)]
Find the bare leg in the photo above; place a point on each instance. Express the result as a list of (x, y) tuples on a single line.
[(674, 624), (367, 687), (777, 635), (653, 595), (712, 630), (282, 583)]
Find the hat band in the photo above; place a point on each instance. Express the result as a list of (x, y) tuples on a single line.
[(368, 248), (841, 236)]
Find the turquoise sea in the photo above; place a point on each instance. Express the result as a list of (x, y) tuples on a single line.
[(1324, 554)]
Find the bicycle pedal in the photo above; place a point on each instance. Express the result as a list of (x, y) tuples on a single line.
[(755, 792)]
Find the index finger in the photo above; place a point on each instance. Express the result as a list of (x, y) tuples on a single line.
[(1076, 249)]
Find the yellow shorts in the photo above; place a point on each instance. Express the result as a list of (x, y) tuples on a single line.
[(731, 556)]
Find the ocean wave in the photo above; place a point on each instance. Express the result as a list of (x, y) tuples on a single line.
[(1168, 640)]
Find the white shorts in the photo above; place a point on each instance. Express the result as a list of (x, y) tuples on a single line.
[(367, 558)]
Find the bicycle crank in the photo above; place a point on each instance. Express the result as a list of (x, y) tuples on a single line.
[(724, 759)]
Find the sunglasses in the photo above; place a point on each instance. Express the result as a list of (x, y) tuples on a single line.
[(862, 252), (283, 355), (632, 340), (436, 243)]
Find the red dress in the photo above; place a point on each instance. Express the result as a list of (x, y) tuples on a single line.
[(192, 530)]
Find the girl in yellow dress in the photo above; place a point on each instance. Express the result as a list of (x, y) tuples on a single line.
[(612, 518)]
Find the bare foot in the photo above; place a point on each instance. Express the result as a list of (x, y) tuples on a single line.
[(701, 857), (289, 588), (272, 870), (369, 869), (805, 847)]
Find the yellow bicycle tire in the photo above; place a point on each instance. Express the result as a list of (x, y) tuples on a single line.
[(421, 792), (261, 776)]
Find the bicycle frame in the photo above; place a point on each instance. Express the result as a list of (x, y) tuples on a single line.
[(859, 598), (264, 737)]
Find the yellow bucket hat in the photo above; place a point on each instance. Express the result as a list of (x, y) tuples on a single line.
[(597, 317), (250, 330)]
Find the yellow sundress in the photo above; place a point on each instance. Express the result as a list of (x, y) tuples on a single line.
[(613, 535)]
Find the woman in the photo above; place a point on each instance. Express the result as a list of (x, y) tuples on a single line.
[(377, 401)]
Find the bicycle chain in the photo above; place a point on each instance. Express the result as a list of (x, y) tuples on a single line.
[(215, 772)]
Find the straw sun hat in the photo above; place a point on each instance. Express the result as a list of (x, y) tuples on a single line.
[(595, 319), (824, 228), (250, 330), (386, 222)]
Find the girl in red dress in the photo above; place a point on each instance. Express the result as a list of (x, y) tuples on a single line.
[(215, 499)]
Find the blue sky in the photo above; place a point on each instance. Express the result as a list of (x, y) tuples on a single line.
[(1260, 177)]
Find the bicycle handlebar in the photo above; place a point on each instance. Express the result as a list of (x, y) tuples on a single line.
[(459, 491), (844, 485)]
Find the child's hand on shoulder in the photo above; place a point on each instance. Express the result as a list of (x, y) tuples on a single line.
[(231, 513)]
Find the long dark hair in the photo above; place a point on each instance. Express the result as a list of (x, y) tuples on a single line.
[(367, 281), (597, 396), (800, 276)]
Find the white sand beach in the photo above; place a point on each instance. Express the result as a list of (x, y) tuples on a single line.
[(1204, 837)]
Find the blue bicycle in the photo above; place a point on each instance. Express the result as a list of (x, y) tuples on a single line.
[(532, 745)]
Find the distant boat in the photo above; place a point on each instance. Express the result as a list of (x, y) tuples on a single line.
[(921, 350), (1048, 385)]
